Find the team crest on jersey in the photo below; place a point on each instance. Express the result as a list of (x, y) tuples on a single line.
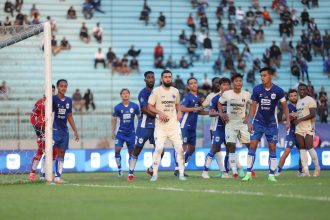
[(302, 104), (140, 140), (67, 106), (131, 110), (243, 100), (273, 96), (173, 96)]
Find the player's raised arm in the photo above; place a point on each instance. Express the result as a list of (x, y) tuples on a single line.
[(73, 126), (252, 113)]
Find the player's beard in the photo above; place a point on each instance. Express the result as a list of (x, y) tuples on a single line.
[(167, 84)]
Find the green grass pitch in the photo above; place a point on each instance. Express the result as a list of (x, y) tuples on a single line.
[(105, 196)]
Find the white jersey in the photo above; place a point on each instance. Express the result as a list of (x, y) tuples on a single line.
[(207, 103), (165, 101), (303, 106), (236, 106)]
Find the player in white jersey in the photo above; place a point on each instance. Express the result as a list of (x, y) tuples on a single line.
[(305, 129), (165, 102), (207, 104), (235, 119)]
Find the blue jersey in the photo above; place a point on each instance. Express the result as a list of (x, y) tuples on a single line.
[(292, 108), (145, 121), (61, 109), (214, 106), (126, 115), (189, 119), (267, 101)]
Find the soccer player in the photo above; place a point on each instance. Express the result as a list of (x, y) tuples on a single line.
[(125, 111), (37, 120), (207, 104), (290, 138), (191, 108), (305, 129), (218, 137), (235, 119), (165, 102), (62, 108), (146, 126), (262, 120)]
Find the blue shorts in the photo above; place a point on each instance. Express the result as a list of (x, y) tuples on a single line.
[(189, 136), (61, 139), (270, 132), (129, 139), (290, 140), (218, 137), (144, 134)]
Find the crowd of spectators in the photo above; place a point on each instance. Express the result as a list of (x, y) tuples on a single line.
[(80, 102)]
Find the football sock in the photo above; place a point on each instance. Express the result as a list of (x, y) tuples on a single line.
[(272, 163), (180, 159), (156, 160), (59, 167), (304, 160), (239, 165), (250, 160), (232, 162), (175, 161), (313, 155), (279, 169), (226, 163), (218, 159), (118, 160), (187, 156), (208, 160), (132, 163)]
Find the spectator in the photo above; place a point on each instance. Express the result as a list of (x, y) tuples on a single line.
[(26, 20), (206, 83), (124, 65), (84, 36), (159, 52), (34, 12), (183, 38), (304, 69), (304, 17), (191, 23), (132, 52), (306, 3), (241, 64), (99, 58), (246, 54), (7, 22), (159, 63), (294, 19), (219, 11), (179, 84), (89, 100), (19, 18), (259, 34), (170, 63), (4, 90), (315, 3), (245, 34), (65, 44), (326, 66), (201, 37), (239, 16), (134, 64), (251, 78), (96, 5), (317, 44), (229, 63), (161, 21), (144, 15), (312, 26), (111, 56), (18, 5), (200, 10), (193, 55), (250, 16), (52, 24), (266, 16), (204, 23), (231, 11), (98, 32), (183, 63), (71, 13), (326, 43), (275, 54), (285, 47), (266, 58), (256, 64), (9, 7), (322, 92), (322, 109), (87, 9), (35, 20), (259, 18), (207, 49), (55, 48), (295, 69), (217, 66), (255, 4), (193, 38), (77, 101), (116, 66)]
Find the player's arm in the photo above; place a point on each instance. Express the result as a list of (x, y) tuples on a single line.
[(73, 126), (223, 116), (152, 108), (178, 111), (113, 128), (203, 112), (145, 110), (286, 113), (312, 114), (252, 112)]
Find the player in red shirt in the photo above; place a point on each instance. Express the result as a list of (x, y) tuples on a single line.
[(37, 120)]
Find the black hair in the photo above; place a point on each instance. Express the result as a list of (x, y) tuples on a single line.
[(292, 91), (165, 71), (125, 89), (53, 86), (148, 72), (225, 80), (236, 75), (191, 79), (302, 84), (215, 78), (268, 69), (61, 80)]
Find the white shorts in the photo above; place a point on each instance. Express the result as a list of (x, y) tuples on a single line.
[(207, 52), (304, 133), (161, 134), (240, 133)]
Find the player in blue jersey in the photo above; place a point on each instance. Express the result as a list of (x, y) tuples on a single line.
[(62, 108), (146, 125), (290, 138), (125, 113), (191, 108), (218, 137), (262, 120)]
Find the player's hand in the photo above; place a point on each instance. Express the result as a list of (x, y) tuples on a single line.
[(198, 108), (224, 117), (287, 125), (245, 120), (163, 117), (113, 136), (179, 116), (296, 121), (250, 126), (76, 136)]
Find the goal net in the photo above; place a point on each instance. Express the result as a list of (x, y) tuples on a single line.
[(25, 77)]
